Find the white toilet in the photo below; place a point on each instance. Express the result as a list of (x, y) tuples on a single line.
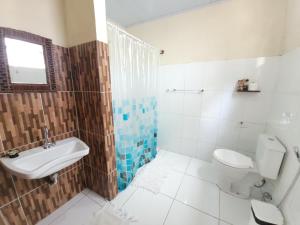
[(234, 166)]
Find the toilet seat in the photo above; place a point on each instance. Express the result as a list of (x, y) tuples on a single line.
[(233, 159)]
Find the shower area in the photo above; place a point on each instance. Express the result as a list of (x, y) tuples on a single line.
[(134, 69)]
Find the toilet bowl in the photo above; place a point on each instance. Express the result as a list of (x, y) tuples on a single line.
[(234, 166)]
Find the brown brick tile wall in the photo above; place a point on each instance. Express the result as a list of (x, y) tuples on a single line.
[(103, 65), (40, 202), (90, 64), (84, 68), (89, 111), (12, 214), (104, 184), (107, 113), (100, 156), (62, 71), (7, 191), (22, 117), (45, 199), (59, 111)]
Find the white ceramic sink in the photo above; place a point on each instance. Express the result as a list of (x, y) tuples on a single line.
[(39, 162)]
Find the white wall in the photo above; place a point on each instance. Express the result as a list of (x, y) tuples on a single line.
[(80, 21), (66, 22), (229, 29), (292, 31), (285, 124), (196, 124), (100, 16), (45, 18)]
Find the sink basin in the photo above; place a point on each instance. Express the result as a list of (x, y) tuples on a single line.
[(38, 162)]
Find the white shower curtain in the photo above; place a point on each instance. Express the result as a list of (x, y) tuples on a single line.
[(134, 68)]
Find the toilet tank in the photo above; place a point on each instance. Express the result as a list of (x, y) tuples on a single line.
[(269, 156)]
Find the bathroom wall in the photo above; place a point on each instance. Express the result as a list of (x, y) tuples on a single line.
[(90, 66), (196, 124), (80, 21), (284, 119), (22, 117), (45, 18), (292, 32), (229, 29), (80, 107), (284, 122), (85, 21)]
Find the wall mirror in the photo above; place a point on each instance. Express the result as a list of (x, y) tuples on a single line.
[(25, 62)]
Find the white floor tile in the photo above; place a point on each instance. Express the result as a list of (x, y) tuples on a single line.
[(182, 214), (176, 161), (123, 196), (148, 208), (199, 194), (81, 213), (62, 210), (172, 183), (197, 201), (234, 210), (161, 153), (224, 223), (203, 170)]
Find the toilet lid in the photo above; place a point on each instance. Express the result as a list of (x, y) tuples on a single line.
[(266, 213), (233, 159)]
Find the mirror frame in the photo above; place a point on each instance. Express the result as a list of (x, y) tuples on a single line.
[(5, 82)]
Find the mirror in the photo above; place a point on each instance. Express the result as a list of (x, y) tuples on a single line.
[(26, 62)]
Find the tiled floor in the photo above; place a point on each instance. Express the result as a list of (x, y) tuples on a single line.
[(187, 197)]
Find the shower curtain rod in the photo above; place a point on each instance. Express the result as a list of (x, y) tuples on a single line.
[(130, 35)]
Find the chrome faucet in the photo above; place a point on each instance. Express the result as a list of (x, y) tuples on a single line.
[(47, 143)]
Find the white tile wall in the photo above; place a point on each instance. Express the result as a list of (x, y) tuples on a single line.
[(195, 124), (284, 123)]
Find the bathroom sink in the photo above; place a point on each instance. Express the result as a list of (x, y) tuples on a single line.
[(38, 162)]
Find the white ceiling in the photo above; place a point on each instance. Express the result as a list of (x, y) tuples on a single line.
[(130, 12)]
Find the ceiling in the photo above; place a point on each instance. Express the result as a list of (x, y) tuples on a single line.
[(130, 12)]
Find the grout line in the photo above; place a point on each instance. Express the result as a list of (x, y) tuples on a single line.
[(18, 199), (7, 204), (174, 198), (219, 205), (99, 92), (136, 189), (96, 134), (45, 183), (185, 174), (203, 212), (64, 211)]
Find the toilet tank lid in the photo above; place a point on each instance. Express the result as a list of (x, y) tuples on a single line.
[(272, 142), (266, 213)]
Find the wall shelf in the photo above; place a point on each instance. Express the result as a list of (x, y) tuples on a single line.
[(250, 91)]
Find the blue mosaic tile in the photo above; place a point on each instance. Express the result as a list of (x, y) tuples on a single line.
[(135, 124)]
